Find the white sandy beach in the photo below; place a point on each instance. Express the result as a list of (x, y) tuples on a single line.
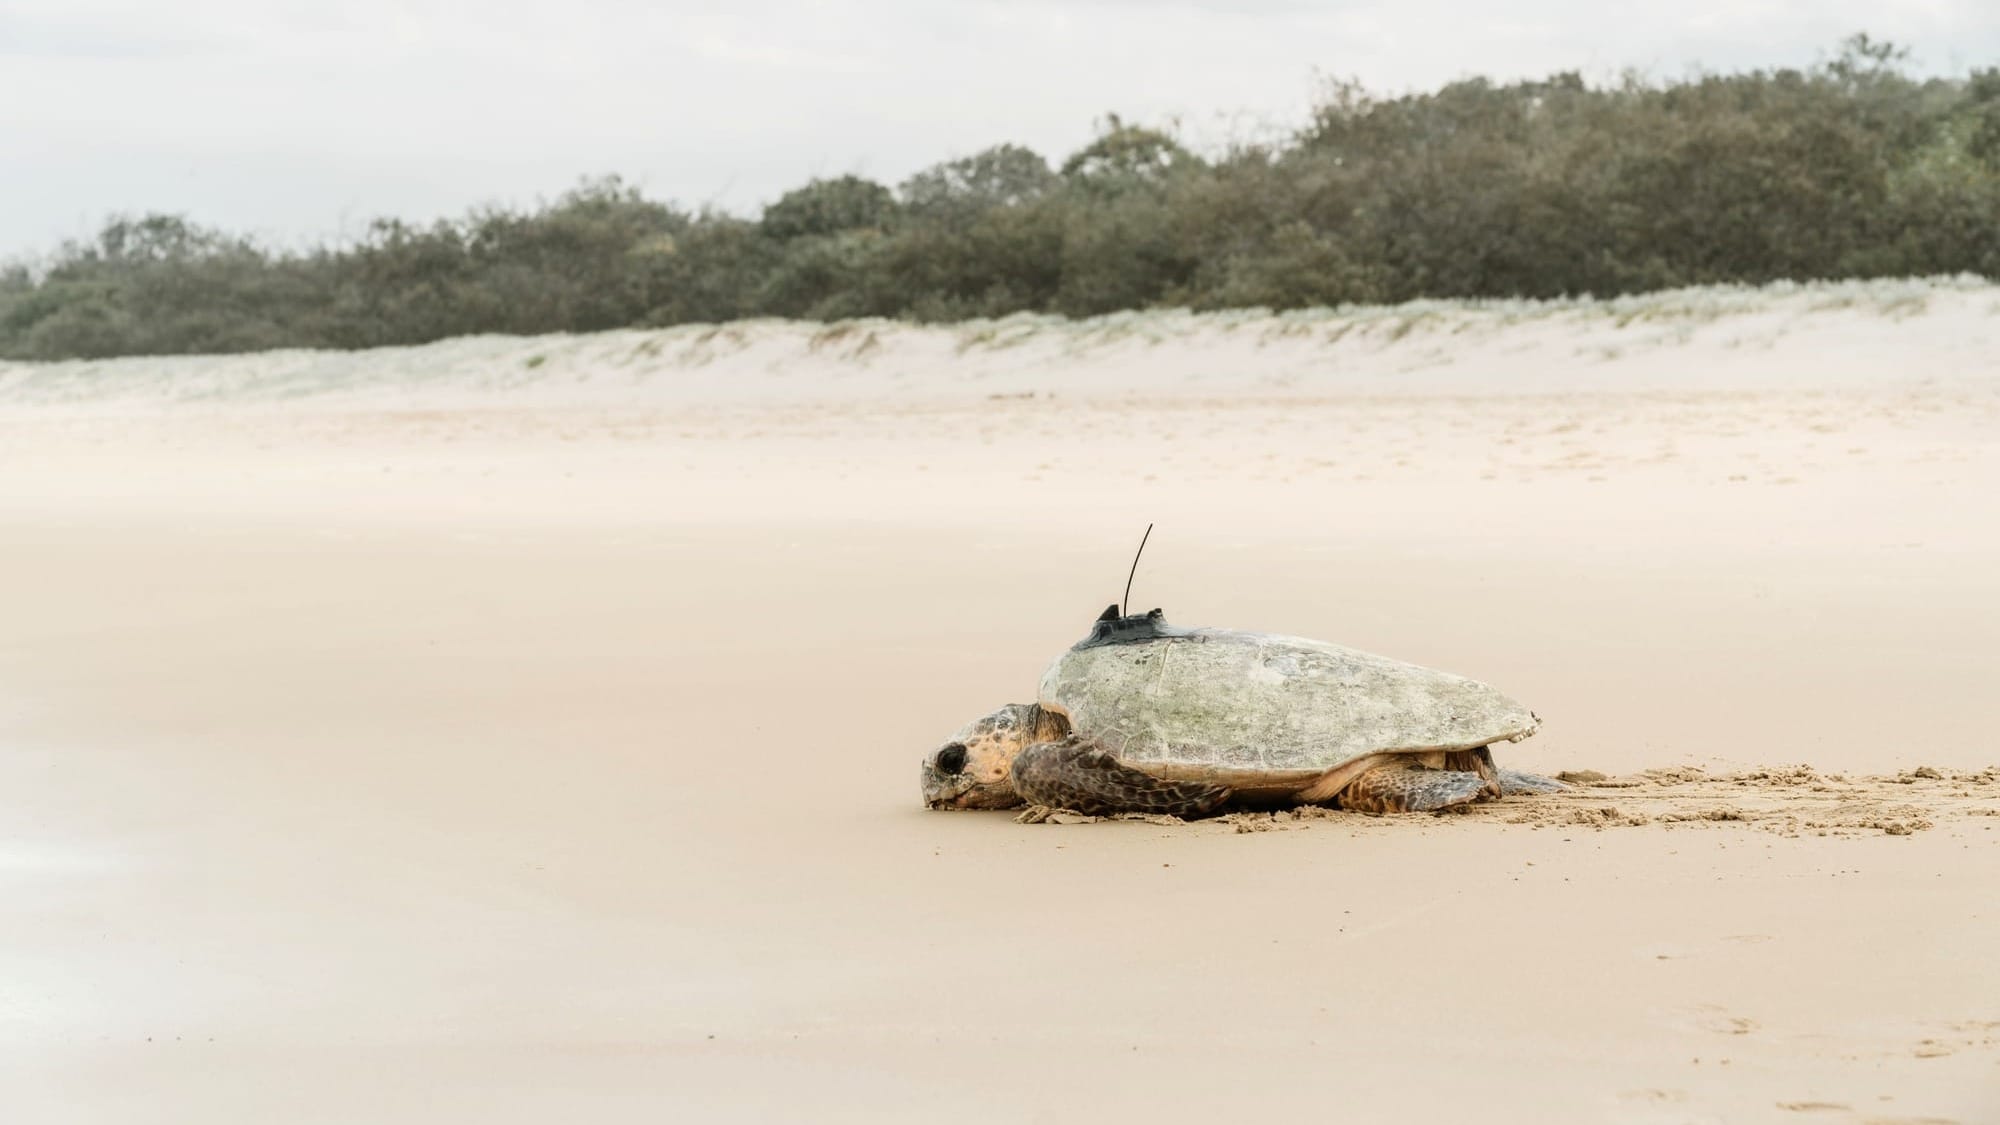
[(526, 730)]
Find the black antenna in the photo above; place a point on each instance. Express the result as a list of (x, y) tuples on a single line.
[(1125, 607)]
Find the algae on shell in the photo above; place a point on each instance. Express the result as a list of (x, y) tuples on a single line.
[(1259, 701)]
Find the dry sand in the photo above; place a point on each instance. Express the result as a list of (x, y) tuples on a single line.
[(526, 731)]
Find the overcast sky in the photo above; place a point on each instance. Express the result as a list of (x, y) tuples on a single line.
[(298, 121)]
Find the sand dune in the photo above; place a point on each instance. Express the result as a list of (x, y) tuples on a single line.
[(1781, 337), (527, 730)]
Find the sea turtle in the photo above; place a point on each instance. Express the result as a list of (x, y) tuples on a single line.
[(1143, 716)]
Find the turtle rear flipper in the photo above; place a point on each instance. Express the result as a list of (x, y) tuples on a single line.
[(1408, 787), (1513, 783), (1073, 774)]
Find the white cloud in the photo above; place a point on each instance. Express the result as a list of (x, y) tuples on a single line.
[(296, 118)]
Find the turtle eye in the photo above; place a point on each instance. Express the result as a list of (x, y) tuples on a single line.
[(951, 759)]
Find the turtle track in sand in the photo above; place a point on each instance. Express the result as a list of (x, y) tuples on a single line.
[(1785, 800)]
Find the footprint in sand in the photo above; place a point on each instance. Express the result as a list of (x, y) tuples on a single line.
[(1656, 1096), (1711, 1018)]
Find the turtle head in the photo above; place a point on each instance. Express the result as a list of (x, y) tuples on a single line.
[(973, 769)]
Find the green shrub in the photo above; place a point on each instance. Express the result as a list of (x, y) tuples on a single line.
[(1529, 189)]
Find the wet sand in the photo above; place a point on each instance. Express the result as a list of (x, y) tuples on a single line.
[(517, 754)]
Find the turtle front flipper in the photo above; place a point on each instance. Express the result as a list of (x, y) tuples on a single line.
[(1408, 787), (1073, 774)]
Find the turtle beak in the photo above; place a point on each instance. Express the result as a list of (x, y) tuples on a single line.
[(969, 794)]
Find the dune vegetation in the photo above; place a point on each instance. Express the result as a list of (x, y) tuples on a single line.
[(1853, 168)]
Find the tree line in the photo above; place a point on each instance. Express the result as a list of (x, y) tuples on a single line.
[(1851, 168)]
